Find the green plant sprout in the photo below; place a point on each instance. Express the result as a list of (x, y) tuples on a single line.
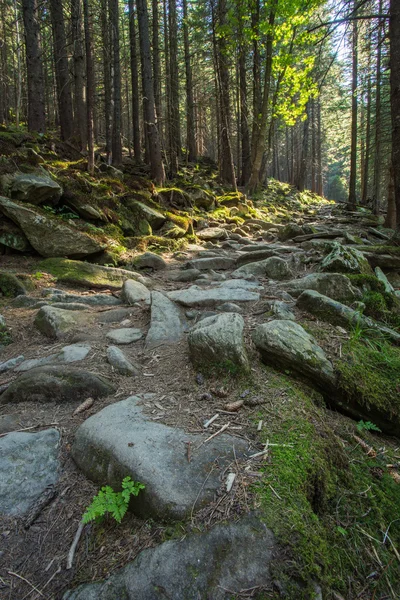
[(367, 426), (114, 503)]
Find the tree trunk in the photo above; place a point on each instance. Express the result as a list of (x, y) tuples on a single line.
[(156, 61), (63, 82), (244, 113), (106, 46), (135, 82), (394, 36), (320, 190), (36, 108), (156, 164), (378, 122), (89, 85), (352, 200), (116, 143), (175, 130), (190, 122), (364, 190), (390, 220), (261, 117), (257, 100), (79, 74)]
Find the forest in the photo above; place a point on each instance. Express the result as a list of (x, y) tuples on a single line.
[(303, 91), (199, 299)]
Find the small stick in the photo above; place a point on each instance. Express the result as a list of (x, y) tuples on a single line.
[(275, 492), (223, 428), (208, 423), (72, 550), (26, 581), (259, 426), (28, 428), (188, 454)]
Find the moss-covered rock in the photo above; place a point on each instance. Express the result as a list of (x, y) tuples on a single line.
[(10, 286), (345, 259)]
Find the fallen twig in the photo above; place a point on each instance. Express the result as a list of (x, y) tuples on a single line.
[(208, 423), (72, 550), (29, 428), (223, 428), (26, 581)]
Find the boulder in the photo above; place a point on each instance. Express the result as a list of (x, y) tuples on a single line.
[(49, 235), (217, 342), (134, 291), (12, 236), (10, 286), (149, 260), (58, 323), (166, 325), (153, 217), (29, 463), (197, 296), (121, 364), (287, 345), (334, 285), (383, 279), (56, 384), (336, 313), (11, 363), (218, 565), (127, 335), (119, 441), (249, 257), (212, 233), (91, 300), (35, 188), (282, 311), (87, 275), (212, 262), (273, 267), (202, 198), (290, 231), (68, 354), (184, 275), (344, 259)]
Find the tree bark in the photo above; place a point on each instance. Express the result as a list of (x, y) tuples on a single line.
[(135, 82), (156, 60), (156, 164), (79, 74), (106, 46), (36, 107), (89, 85), (378, 121), (244, 112), (364, 190), (352, 200), (175, 130), (394, 36), (116, 142), (190, 122)]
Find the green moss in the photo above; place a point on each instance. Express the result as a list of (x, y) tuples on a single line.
[(183, 222), (319, 495), (157, 243), (10, 286), (369, 282), (82, 273), (369, 372), (381, 249)]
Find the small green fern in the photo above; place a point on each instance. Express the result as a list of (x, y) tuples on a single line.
[(114, 503), (367, 426)]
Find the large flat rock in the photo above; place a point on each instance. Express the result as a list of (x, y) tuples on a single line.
[(48, 235), (217, 565), (57, 323), (211, 262), (196, 296), (120, 441), (56, 384), (28, 464), (167, 325), (334, 285)]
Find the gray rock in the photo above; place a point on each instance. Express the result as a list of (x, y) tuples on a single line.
[(230, 307), (184, 275), (35, 188), (149, 260), (195, 296), (120, 441), (10, 285), (217, 341), (134, 291), (114, 316), (382, 277), (336, 313), (28, 302), (282, 311), (48, 235), (56, 384), (28, 464), (91, 300), (57, 322), (287, 345), (152, 216), (125, 336), (118, 360), (334, 285), (11, 364), (344, 259), (8, 423), (167, 325), (249, 257), (68, 354), (213, 262), (384, 261), (290, 231), (212, 233), (273, 267), (72, 306), (2, 321), (217, 565)]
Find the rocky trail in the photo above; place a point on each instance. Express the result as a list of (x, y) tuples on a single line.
[(228, 379)]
